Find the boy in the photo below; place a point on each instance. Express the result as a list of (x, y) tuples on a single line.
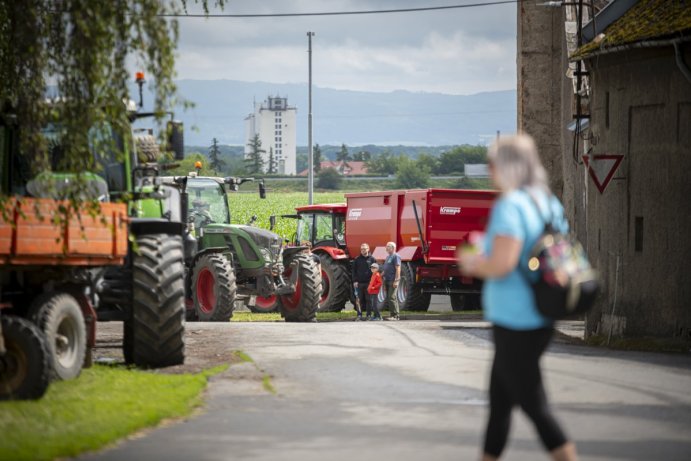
[(373, 291)]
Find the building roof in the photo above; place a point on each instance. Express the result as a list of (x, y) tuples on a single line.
[(646, 21), (348, 168)]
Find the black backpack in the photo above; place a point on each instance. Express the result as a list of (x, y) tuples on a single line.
[(566, 282)]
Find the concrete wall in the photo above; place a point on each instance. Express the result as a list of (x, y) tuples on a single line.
[(639, 228), (540, 72)]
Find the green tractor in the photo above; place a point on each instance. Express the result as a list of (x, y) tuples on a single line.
[(90, 265), (228, 263)]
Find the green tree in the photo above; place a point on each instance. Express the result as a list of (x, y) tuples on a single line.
[(186, 166), (362, 156), (343, 155), (329, 178), (215, 160), (272, 168), (412, 175), (316, 158), (254, 162), (83, 49), (384, 163), (428, 161)]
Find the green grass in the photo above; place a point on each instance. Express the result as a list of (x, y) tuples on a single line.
[(102, 405)]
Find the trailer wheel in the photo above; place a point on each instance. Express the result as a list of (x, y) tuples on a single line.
[(336, 285), (265, 304), (25, 366), (214, 288), (59, 316), (153, 336), (302, 305), (410, 295)]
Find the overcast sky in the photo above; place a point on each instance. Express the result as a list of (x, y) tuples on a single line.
[(456, 51)]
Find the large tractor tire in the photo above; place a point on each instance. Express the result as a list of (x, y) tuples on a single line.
[(302, 305), (336, 285), (213, 288), (410, 295), (25, 366), (153, 336), (59, 316), (265, 304)]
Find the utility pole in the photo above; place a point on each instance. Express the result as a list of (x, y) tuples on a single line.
[(310, 157)]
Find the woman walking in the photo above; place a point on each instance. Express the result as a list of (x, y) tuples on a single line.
[(520, 333)]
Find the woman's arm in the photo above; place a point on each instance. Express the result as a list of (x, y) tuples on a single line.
[(504, 258)]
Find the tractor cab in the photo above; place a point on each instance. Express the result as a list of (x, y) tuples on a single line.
[(322, 225)]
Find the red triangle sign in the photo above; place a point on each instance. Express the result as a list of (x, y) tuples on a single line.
[(602, 167)]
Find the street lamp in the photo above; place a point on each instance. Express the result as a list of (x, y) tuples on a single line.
[(310, 157)]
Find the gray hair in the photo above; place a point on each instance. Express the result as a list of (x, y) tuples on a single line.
[(517, 164), (391, 244)]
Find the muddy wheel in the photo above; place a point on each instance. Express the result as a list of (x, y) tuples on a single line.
[(25, 366), (214, 288), (60, 318), (302, 305), (266, 304), (336, 285), (410, 295), (153, 336)]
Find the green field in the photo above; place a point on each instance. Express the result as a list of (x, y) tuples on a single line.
[(243, 205)]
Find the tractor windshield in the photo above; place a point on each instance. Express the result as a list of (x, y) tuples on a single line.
[(319, 227), (207, 201)]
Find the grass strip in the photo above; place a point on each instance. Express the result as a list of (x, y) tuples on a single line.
[(103, 405)]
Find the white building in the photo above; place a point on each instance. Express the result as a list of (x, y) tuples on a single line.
[(275, 122)]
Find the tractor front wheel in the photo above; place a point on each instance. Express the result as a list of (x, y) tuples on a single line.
[(213, 288), (302, 305)]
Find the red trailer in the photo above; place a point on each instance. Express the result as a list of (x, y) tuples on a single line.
[(427, 226)]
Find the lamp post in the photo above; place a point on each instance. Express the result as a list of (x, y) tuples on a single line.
[(310, 156)]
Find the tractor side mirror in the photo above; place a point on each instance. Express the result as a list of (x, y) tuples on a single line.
[(176, 139), (262, 189), (272, 222)]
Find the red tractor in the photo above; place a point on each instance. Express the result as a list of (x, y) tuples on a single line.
[(427, 226)]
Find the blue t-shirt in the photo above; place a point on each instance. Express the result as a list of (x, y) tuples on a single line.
[(389, 267), (508, 301)]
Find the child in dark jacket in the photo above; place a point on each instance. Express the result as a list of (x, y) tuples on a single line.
[(373, 291)]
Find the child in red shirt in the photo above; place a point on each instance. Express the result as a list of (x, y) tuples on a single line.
[(373, 291)]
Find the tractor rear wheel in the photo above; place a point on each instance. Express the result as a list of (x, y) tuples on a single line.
[(213, 288), (302, 305), (59, 316), (153, 336), (336, 285), (25, 365)]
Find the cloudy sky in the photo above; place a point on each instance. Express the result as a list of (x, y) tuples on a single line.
[(456, 51)]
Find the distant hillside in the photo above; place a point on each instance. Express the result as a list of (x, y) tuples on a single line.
[(351, 117)]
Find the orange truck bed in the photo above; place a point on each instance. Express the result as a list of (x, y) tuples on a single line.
[(30, 234)]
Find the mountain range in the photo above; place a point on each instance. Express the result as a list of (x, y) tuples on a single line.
[(348, 117)]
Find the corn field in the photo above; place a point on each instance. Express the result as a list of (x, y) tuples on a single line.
[(244, 205)]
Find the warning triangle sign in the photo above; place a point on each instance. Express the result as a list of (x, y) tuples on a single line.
[(601, 168)]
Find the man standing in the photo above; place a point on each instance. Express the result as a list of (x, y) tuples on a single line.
[(391, 276), (361, 275)]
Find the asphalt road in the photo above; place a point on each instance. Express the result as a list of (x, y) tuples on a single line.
[(414, 390)]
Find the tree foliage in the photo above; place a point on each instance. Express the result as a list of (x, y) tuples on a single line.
[(82, 50), (412, 175), (215, 160), (329, 178), (384, 163), (316, 158), (254, 161)]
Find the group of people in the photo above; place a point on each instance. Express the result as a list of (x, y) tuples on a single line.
[(369, 277), (520, 333)]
